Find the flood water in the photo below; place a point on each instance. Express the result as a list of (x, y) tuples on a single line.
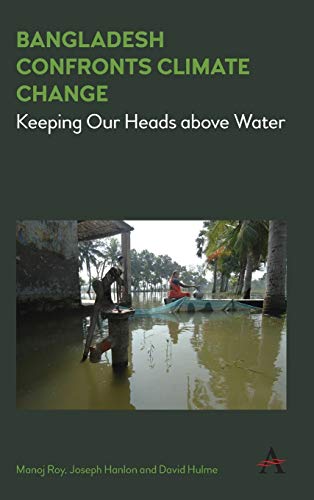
[(200, 361)]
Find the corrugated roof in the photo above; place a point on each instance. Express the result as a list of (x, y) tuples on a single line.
[(94, 229)]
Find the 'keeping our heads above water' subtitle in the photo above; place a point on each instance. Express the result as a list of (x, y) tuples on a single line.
[(93, 122)]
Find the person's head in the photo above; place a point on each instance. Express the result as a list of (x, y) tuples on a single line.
[(175, 274)]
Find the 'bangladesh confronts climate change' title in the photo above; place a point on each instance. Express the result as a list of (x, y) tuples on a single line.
[(35, 62)]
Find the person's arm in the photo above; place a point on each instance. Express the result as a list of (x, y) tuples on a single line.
[(186, 286)]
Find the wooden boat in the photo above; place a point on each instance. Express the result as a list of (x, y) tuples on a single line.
[(201, 305), (210, 305)]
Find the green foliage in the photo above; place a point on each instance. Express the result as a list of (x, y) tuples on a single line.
[(152, 272), (236, 237), (251, 236), (96, 254), (228, 243), (148, 271)]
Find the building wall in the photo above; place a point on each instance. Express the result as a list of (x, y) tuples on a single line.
[(47, 264), (53, 235)]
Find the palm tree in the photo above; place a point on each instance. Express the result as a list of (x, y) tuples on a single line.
[(245, 241), (247, 283), (211, 241), (240, 280), (112, 250), (89, 254), (275, 298), (251, 244), (214, 276)]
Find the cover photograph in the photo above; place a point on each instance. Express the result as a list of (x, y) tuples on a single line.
[(156, 270)]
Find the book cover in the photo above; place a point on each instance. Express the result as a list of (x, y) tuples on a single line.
[(156, 293)]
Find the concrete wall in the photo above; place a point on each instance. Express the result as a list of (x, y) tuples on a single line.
[(54, 235), (47, 264)]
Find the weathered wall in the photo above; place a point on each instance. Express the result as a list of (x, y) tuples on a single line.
[(47, 264), (54, 235)]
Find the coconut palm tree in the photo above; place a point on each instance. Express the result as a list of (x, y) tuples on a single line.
[(245, 241), (211, 241), (275, 297), (240, 280), (89, 254), (250, 240), (112, 250), (214, 289)]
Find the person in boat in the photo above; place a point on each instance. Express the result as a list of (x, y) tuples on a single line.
[(175, 284)]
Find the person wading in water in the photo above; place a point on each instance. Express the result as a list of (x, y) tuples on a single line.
[(175, 284)]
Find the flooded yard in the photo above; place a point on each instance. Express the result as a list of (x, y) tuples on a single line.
[(200, 361)]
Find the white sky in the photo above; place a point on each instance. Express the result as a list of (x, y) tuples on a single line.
[(175, 238)]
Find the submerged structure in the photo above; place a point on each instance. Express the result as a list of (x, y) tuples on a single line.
[(47, 269)]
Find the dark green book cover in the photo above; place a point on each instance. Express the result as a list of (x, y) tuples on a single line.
[(137, 136)]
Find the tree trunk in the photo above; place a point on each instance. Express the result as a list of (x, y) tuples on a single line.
[(248, 276), (215, 278), (89, 279), (241, 280), (275, 298)]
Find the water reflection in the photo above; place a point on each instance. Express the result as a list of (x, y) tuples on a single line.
[(240, 354), (176, 361)]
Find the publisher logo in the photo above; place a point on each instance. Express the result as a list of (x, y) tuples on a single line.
[(272, 461)]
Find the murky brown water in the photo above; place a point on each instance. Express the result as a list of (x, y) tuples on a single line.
[(185, 361)]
